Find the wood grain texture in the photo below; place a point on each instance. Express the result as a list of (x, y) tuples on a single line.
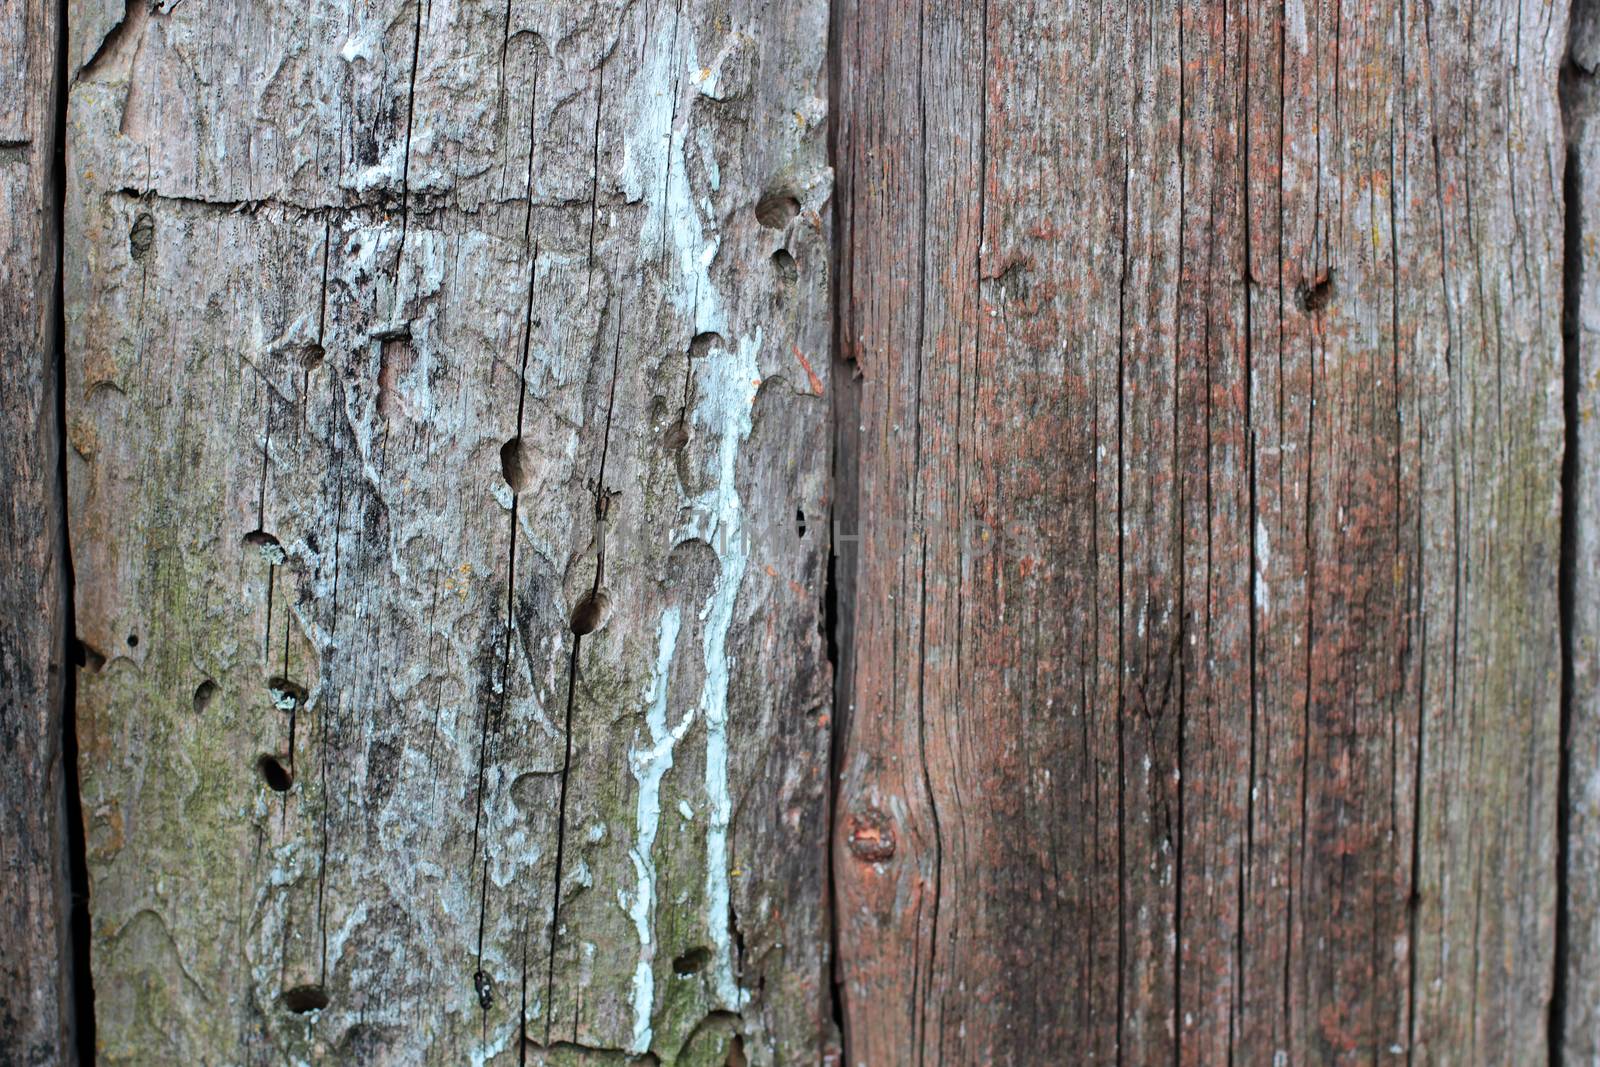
[(390, 323), (35, 962), (1200, 655), (1579, 1007)]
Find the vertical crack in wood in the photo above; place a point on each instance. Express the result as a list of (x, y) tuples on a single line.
[(1414, 856), (1180, 525), (1574, 91), (79, 1015), (842, 446), (1297, 885), (1246, 214), (561, 844), (487, 736), (522, 1001), (522, 398), (1283, 387), (1122, 771), (921, 1017), (602, 501), (921, 992), (320, 729), (1413, 898), (405, 166), (489, 733), (594, 161), (666, 170)]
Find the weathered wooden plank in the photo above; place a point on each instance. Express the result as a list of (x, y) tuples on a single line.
[(1200, 651), (36, 1005), (1577, 1016), (388, 323)]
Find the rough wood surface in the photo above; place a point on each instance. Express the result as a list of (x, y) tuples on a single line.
[(35, 964), (389, 322), (1578, 1012), (1200, 660)]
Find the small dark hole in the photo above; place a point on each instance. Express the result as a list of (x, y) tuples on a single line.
[(304, 998), (89, 657), (783, 263), (286, 695), (133, 640), (590, 612), (703, 343), (512, 467), (142, 235), (777, 210), (267, 545), (800, 520), (204, 694), (677, 435), (483, 984), (312, 356), (274, 774), (1314, 296), (691, 962)]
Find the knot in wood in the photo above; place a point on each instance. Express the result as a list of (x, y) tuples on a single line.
[(871, 836)]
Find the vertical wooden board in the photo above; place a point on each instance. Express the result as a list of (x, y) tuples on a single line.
[(369, 309), (35, 962), (1233, 332), (1579, 1023), (1485, 184)]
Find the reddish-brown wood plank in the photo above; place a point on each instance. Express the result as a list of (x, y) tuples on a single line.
[(1199, 652)]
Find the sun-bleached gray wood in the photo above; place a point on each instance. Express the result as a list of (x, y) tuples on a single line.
[(378, 313)]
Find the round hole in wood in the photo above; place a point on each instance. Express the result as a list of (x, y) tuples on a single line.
[(691, 961), (777, 210), (590, 612), (784, 264), (274, 774), (513, 467), (267, 545), (304, 998)]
